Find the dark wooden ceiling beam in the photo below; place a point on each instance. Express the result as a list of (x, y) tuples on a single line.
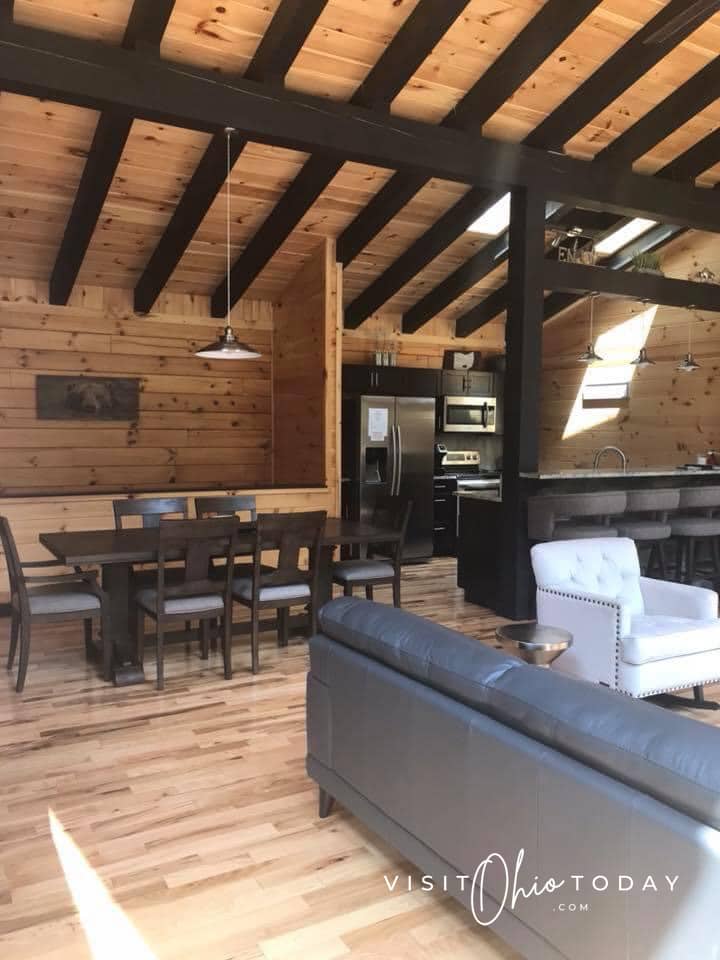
[(280, 45), (482, 313), (146, 26), (613, 77), (409, 48), (90, 74), (545, 32)]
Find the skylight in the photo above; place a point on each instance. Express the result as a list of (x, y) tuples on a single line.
[(495, 220), (624, 235)]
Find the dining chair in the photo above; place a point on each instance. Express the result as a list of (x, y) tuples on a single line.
[(286, 585), (386, 568), (152, 510), (242, 506), (195, 596), (51, 598)]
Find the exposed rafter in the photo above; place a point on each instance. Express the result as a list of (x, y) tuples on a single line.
[(146, 26), (689, 164), (87, 73), (614, 76), (523, 56), (424, 27), (274, 56)]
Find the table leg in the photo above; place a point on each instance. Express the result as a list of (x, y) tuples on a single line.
[(116, 584)]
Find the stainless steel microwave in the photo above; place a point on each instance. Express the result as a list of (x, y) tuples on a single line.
[(469, 415)]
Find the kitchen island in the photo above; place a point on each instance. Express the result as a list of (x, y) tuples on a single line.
[(489, 576)]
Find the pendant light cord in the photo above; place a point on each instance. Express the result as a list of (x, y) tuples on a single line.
[(228, 214)]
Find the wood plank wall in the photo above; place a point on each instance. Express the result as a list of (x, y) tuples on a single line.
[(422, 349), (671, 416), (305, 374), (201, 422)]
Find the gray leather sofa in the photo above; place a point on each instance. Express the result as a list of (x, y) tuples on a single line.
[(452, 752)]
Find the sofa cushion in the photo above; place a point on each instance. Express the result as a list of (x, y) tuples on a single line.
[(659, 638), (606, 567), (441, 658), (669, 757)]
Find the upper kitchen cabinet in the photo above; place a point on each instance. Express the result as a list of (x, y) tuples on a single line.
[(390, 381), (470, 383)]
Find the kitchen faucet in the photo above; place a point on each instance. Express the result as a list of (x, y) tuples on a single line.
[(599, 455)]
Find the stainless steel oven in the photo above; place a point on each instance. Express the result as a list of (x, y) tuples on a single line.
[(470, 415)]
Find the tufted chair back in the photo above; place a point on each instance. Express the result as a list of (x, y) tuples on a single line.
[(606, 567)]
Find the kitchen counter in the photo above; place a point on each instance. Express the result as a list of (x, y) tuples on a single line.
[(591, 474)]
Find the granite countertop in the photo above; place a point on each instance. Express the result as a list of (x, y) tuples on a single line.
[(590, 474)]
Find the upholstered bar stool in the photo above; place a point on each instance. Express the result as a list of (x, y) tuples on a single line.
[(697, 524), (586, 516), (646, 522)]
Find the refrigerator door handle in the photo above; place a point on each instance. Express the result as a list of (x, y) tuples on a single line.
[(393, 484), (399, 460)]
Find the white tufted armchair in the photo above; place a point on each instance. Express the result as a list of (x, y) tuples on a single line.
[(638, 636)]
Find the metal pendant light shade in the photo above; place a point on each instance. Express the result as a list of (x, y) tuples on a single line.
[(642, 359), (688, 364), (227, 346), (590, 355)]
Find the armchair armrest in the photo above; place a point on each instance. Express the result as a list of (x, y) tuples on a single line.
[(664, 598), (596, 623)]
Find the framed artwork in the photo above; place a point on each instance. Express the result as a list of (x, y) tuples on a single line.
[(87, 398)]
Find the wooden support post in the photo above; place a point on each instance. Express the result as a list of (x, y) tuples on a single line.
[(521, 439)]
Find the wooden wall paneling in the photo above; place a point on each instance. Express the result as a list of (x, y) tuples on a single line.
[(200, 422), (671, 416)]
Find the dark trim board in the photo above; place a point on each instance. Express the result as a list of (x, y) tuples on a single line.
[(87, 73), (666, 291)]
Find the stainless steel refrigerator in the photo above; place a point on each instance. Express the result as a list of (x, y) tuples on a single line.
[(388, 445)]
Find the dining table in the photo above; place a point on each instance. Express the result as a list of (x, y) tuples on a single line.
[(116, 552)]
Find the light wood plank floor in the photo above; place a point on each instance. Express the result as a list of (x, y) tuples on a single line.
[(193, 807)]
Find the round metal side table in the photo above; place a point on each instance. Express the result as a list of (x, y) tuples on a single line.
[(533, 643)]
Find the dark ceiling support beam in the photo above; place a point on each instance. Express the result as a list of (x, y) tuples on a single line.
[(700, 157), (611, 79), (545, 32), (91, 74), (281, 43), (410, 47), (483, 313), (146, 26)]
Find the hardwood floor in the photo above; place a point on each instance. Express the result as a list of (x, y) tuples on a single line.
[(193, 808)]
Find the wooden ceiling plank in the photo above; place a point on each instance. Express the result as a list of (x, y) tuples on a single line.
[(614, 76), (146, 26), (545, 32), (281, 43), (409, 48), (53, 66)]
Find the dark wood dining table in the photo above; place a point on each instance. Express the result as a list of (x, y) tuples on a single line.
[(116, 551)]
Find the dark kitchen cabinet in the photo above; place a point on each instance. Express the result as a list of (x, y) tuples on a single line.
[(445, 517), (389, 381), (470, 383)]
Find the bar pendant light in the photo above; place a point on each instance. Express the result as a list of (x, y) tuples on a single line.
[(590, 356), (642, 359), (227, 346), (688, 364)]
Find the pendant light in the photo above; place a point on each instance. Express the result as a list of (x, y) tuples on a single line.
[(590, 356), (688, 364), (642, 359), (227, 346)]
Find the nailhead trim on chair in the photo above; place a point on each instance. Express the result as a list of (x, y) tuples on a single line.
[(598, 603), (683, 686)]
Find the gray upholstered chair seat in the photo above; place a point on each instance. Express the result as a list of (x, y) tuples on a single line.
[(568, 530), (242, 588), (353, 571), (183, 606), (58, 598), (695, 526), (643, 529)]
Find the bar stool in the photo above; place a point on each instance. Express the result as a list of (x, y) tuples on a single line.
[(646, 522), (699, 527), (586, 516)]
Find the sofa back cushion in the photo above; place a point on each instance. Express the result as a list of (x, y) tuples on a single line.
[(669, 757), (607, 567)]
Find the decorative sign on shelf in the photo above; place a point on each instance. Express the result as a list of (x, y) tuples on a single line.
[(87, 398), (458, 360)]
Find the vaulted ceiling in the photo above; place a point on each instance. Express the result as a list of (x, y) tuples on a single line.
[(94, 198)]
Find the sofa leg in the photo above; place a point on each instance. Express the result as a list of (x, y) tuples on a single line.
[(326, 804)]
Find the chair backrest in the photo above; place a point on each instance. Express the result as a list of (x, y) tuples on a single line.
[(605, 566), (289, 534), (12, 559), (393, 513), (226, 506), (197, 542), (652, 501), (705, 499), (152, 510), (544, 511)]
